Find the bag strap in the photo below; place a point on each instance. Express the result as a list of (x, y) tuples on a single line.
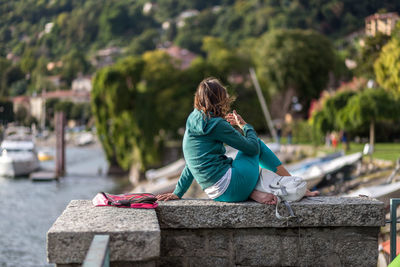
[(288, 207)]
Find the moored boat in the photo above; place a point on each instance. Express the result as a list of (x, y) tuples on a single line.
[(18, 154)]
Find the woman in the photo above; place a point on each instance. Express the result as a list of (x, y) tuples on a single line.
[(208, 127)]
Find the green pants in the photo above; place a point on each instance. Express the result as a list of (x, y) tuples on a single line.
[(245, 173)]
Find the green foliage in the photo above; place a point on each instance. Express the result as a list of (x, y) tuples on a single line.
[(369, 53), (86, 26), (22, 117), (332, 107), (144, 42), (294, 60), (370, 105), (327, 120), (74, 63), (6, 112), (303, 132), (81, 112), (28, 61), (191, 35), (387, 66), (18, 88), (11, 75), (114, 115)]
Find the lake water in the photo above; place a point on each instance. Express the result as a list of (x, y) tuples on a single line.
[(28, 209)]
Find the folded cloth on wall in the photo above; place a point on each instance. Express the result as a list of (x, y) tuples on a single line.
[(130, 200)]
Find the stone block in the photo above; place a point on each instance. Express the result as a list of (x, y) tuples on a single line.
[(220, 242), (265, 247), (173, 261), (209, 262), (311, 212), (183, 243), (134, 233), (341, 246)]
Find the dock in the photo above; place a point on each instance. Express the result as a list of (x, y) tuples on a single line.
[(43, 176)]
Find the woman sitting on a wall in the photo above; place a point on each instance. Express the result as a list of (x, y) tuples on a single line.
[(208, 127)]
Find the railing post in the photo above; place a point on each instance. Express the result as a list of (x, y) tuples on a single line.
[(99, 252), (394, 202)]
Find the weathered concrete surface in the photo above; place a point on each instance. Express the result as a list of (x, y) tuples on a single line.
[(336, 246), (311, 212), (134, 233)]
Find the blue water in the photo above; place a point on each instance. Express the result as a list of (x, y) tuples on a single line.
[(28, 209)]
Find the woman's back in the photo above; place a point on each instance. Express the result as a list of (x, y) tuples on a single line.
[(204, 152)]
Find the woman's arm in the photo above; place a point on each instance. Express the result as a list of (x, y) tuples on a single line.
[(248, 143), (184, 182), (182, 186), (280, 170)]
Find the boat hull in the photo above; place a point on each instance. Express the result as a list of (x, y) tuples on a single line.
[(12, 168)]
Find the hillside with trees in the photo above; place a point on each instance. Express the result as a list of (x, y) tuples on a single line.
[(35, 33), (141, 94)]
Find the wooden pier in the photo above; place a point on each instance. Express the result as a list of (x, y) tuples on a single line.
[(43, 176)]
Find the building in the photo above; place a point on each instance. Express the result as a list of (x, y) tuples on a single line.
[(183, 55), (384, 23), (68, 95), (35, 105), (105, 57), (82, 83), (21, 101), (55, 80)]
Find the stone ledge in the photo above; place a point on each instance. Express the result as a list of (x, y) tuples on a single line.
[(134, 233), (311, 212)]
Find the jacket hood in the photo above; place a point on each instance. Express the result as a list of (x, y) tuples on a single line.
[(199, 124)]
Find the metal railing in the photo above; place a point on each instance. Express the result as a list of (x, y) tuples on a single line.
[(394, 202), (99, 252)]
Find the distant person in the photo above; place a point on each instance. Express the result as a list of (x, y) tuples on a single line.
[(289, 136), (278, 133), (334, 140), (327, 140), (208, 127), (345, 140)]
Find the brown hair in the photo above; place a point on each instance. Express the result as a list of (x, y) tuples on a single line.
[(212, 98)]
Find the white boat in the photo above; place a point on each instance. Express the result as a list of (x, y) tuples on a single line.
[(169, 171), (311, 169), (18, 154), (337, 164), (84, 139), (314, 170), (383, 192)]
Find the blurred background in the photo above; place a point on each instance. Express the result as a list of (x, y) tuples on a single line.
[(124, 74)]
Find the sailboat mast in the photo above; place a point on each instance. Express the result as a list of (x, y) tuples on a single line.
[(263, 105)]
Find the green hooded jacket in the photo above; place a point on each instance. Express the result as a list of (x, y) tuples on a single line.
[(204, 151)]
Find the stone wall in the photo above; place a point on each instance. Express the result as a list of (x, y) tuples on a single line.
[(329, 231), (339, 246)]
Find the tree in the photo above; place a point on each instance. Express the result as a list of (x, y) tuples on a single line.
[(11, 75), (326, 119), (294, 62), (387, 66), (6, 112), (367, 108), (144, 42), (369, 53), (114, 101), (73, 64)]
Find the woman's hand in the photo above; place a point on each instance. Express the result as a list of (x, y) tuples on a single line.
[(312, 194), (235, 119), (167, 196)]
